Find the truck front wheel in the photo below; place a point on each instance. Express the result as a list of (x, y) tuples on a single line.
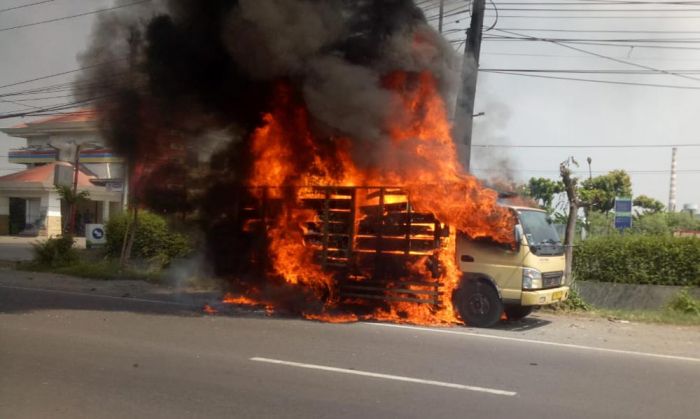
[(518, 312), (477, 303)]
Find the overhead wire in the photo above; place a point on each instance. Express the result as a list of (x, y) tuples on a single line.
[(41, 22), (7, 9), (627, 83), (605, 57)]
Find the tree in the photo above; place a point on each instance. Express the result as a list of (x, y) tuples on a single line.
[(599, 193), (570, 186), (72, 199), (647, 204), (544, 190)]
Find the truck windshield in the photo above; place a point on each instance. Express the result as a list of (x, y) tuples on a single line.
[(541, 235)]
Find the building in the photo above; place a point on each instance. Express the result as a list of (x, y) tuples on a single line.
[(29, 201)]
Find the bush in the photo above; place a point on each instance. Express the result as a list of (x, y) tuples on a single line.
[(55, 252), (154, 239), (685, 303), (639, 259)]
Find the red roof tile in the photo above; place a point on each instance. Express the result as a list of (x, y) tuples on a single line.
[(83, 115), (44, 174)]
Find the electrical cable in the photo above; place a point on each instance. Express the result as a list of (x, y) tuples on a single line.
[(41, 22), (669, 86), (25, 5)]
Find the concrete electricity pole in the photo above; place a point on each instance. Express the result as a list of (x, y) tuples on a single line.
[(672, 188), (464, 110)]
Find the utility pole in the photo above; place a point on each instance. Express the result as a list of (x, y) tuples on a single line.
[(464, 110), (73, 209), (442, 12), (672, 188)]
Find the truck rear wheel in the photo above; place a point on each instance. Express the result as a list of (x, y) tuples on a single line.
[(477, 303), (518, 312)]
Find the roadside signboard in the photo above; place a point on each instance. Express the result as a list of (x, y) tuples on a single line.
[(623, 213), (63, 175), (95, 235)]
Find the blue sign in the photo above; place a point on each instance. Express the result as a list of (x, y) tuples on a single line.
[(623, 205), (98, 233), (623, 213), (622, 223)]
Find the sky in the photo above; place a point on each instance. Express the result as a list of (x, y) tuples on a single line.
[(518, 110)]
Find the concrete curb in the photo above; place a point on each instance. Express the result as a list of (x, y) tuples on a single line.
[(629, 296)]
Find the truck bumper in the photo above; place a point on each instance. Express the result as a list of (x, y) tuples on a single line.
[(544, 297)]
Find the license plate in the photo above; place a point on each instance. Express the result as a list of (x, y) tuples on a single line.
[(556, 296)]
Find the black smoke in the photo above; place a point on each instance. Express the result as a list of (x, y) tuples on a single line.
[(184, 83)]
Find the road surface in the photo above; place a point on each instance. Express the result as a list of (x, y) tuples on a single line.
[(74, 355)]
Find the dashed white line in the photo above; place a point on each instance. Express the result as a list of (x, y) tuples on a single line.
[(385, 376), (539, 342)]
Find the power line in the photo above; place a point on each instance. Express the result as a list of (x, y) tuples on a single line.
[(597, 31), (25, 5), (594, 17), (60, 74), (606, 57), (585, 71), (532, 9), (540, 76), (624, 40), (41, 22), (585, 145)]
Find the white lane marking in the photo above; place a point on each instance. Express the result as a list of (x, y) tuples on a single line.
[(385, 376), (85, 294), (539, 342)]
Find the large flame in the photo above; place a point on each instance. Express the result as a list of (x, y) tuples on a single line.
[(289, 160)]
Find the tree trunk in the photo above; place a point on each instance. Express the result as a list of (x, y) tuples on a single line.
[(570, 188), (129, 235)]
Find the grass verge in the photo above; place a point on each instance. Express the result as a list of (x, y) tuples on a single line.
[(101, 269), (681, 310), (663, 316)]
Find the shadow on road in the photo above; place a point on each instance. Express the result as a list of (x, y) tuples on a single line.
[(25, 300), (20, 300), (528, 323)]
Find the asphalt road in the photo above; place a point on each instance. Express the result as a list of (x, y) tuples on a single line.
[(66, 355)]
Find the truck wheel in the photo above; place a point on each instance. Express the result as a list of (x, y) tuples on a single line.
[(518, 312), (477, 303)]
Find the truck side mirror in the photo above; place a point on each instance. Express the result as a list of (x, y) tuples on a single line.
[(518, 233)]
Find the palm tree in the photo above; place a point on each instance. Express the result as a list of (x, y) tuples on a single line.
[(72, 199)]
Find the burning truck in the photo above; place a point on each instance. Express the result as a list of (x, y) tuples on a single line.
[(327, 182)]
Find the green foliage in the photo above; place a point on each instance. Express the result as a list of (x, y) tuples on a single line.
[(599, 193), (154, 239), (543, 190), (647, 204), (600, 224), (639, 259), (685, 303), (573, 303), (55, 252), (664, 223), (66, 194)]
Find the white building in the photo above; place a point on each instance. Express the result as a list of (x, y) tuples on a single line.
[(29, 203)]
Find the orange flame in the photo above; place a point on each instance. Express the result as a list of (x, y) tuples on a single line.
[(209, 309), (288, 159)]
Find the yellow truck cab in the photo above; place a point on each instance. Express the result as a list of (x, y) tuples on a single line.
[(502, 278)]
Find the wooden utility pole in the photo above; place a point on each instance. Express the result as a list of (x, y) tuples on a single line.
[(464, 111), (74, 205), (442, 12)]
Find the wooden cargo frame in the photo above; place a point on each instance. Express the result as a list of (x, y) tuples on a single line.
[(368, 245)]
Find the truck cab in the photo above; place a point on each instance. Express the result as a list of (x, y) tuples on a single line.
[(511, 279)]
